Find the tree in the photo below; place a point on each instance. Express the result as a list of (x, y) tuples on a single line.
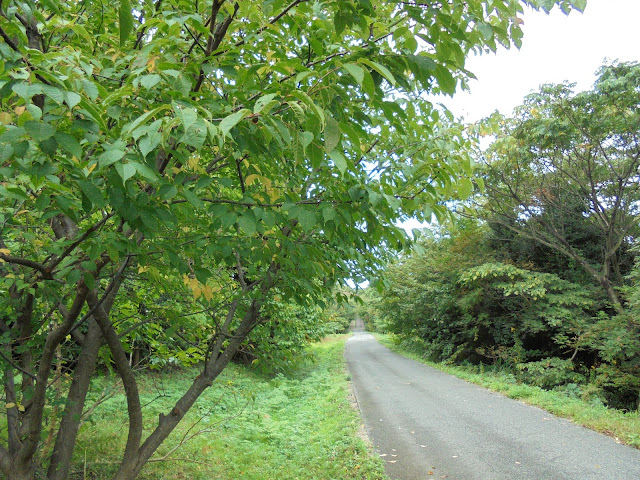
[(225, 149), (567, 169)]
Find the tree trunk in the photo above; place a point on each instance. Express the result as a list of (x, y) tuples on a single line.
[(217, 362), (60, 461)]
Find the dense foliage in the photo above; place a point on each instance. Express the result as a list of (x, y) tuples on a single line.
[(171, 168), (564, 173), (540, 278)]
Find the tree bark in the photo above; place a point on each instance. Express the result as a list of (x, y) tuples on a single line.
[(167, 423), (60, 460)]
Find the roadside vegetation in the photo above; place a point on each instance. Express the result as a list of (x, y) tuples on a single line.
[(534, 289), (621, 425), (184, 184), (249, 425)]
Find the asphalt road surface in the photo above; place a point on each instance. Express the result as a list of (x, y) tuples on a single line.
[(426, 424)]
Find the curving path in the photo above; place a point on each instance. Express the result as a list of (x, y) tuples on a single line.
[(426, 424)]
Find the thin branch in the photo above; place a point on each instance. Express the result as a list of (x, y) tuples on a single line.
[(17, 367), (82, 238)]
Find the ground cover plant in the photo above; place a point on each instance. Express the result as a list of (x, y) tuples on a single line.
[(253, 426)]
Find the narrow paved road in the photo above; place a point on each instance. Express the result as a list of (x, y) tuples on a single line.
[(427, 424)]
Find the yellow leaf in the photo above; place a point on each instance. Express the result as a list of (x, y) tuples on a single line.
[(6, 251), (19, 110), (207, 292), (21, 212), (193, 162), (10, 405), (5, 118), (21, 408), (142, 269), (91, 168), (250, 179)]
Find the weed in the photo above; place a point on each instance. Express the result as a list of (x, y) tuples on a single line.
[(252, 427)]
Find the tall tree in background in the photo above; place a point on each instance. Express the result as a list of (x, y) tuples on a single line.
[(567, 168), (229, 147)]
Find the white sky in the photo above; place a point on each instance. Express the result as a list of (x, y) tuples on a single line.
[(555, 48)]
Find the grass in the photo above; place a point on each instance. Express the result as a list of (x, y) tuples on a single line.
[(624, 426), (297, 427)]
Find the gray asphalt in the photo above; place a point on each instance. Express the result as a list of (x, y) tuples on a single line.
[(426, 424)]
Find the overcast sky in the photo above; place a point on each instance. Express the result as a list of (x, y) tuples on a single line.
[(555, 48)]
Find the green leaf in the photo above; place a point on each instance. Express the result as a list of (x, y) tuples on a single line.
[(465, 187), (149, 81), (150, 141), (381, 69), (187, 116), (125, 16), (331, 134), (264, 101), (329, 213), (145, 171), (130, 128), (306, 100), (125, 170), (167, 192), (579, 4), (92, 192), (298, 111), (94, 113), (445, 80), (192, 198), (307, 219), (339, 160), (306, 138), (356, 72), (109, 157), (197, 134), (54, 93), (232, 120), (72, 99), (26, 90), (39, 131), (69, 144), (248, 224), (485, 30)]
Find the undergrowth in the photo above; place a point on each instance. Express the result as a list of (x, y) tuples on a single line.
[(299, 426)]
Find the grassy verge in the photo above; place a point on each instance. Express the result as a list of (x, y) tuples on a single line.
[(297, 427), (624, 426)]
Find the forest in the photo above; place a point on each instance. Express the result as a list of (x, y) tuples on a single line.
[(190, 184), (538, 272)]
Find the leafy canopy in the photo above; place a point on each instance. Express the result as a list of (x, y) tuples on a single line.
[(231, 148)]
